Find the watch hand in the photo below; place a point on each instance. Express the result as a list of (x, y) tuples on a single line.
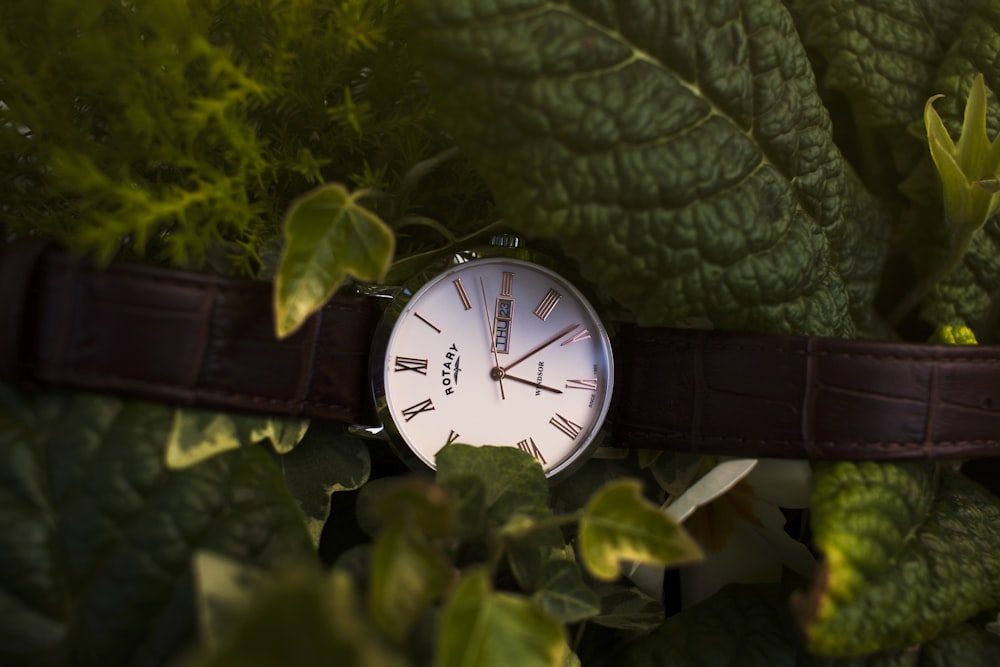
[(542, 346), (532, 383), (497, 372)]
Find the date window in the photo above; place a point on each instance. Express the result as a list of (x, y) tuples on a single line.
[(504, 319)]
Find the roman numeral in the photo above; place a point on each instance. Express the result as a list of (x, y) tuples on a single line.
[(414, 410), (571, 429), (462, 294), (411, 364), (452, 437), (528, 446), (507, 283), (582, 383), (583, 334), (547, 304)]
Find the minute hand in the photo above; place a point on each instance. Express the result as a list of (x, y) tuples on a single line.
[(541, 347)]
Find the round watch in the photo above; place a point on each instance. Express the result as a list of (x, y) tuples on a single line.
[(494, 351), (498, 351)]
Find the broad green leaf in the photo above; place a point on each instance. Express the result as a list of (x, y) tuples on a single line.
[(618, 525), (223, 586), (963, 297), (196, 435), (678, 149), (751, 626), (884, 72), (627, 608), (301, 618), (908, 552), (562, 594), (325, 462), (284, 433), (97, 535), (429, 507), (512, 481), (328, 236), (407, 575), (485, 628)]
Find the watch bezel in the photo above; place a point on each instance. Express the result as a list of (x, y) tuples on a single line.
[(409, 290)]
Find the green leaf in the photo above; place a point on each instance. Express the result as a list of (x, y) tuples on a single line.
[(482, 627), (328, 236), (325, 462), (197, 435), (964, 296), (97, 535), (430, 508), (907, 551), (884, 72), (301, 618), (223, 588), (562, 594), (627, 608), (678, 150), (618, 524), (407, 576), (751, 626), (512, 481)]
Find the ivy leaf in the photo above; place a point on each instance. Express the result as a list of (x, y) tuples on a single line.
[(512, 481), (618, 524), (678, 150), (325, 462), (627, 608), (299, 617), (431, 509), (197, 435), (96, 534), (907, 553), (482, 627), (407, 575), (328, 236), (562, 594), (751, 626), (224, 587)]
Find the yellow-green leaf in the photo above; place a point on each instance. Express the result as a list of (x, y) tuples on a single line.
[(618, 524), (328, 236), (407, 576), (482, 627)]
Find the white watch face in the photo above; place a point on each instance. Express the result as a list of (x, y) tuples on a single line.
[(498, 352)]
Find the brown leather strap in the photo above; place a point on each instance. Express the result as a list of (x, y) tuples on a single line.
[(187, 338), (792, 396)]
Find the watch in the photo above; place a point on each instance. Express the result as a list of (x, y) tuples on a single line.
[(495, 349)]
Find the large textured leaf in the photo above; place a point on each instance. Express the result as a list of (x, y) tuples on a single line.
[(750, 626), (908, 553), (96, 535), (963, 296), (328, 236), (882, 54), (678, 149)]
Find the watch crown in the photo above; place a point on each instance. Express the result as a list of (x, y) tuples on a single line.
[(505, 241)]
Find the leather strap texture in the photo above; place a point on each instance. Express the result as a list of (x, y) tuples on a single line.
[(202, 340), (795, 396), (186, 338)]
